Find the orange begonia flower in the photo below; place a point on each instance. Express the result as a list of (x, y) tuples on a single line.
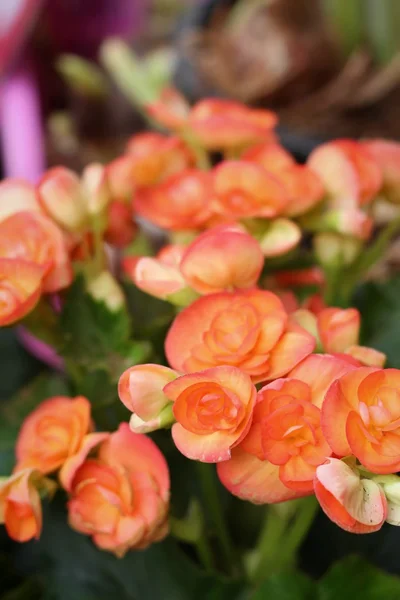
[(285, 439), (34, 238), (354, 503), (270, 155), (387, 154), (54, 434), (220, 124), (350, 174), (213, 409), (155, 157), (183, 201), (246, 329), (361, 416), (121, 499), (20, 289), (222, 258), (20, 507), (170, 109), (303, 187), (244, 189), (140, 388)]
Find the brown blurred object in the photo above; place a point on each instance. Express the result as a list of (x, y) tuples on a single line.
[(280, 54)]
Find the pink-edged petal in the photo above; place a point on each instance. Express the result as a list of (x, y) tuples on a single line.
[(319, 371), (211, 448), (249, 478), (291, 349), (340, 400)]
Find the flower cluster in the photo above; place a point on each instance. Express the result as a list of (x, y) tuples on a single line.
[(265, 374), (118, 483)]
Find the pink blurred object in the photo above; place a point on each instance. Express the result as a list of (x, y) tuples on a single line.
[(81, 25), (40, 349), (21, 125), (17, 18)]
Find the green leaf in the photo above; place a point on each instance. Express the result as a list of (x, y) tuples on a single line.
[(97, 345), (354, 578), (380, 310), (73, 568), (287, 586), (14, 411)]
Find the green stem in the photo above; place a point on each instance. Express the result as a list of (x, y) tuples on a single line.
[(303, 520), (268, 546), (204, 552), (212, 502), (281, 538), (202, 159)]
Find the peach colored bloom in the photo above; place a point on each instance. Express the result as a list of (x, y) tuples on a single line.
[(213, 409), (34, 238), (183, 201), (17, 195), (121, 228), (247, 329), (245, 189), (20, 289), (222, 258), (367, 356), (270, 155), (303, 186), (338, 328), (350, 174), (285, 441), (387, 154), (140, 389), (61, 197), (161, 276), (354, 503), (361, 416), (222, 124), (121, 498), (170, 109), (156, 157), (52, 433), (20, 507)]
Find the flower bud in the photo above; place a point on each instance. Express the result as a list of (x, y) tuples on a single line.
[(338, 328), (367, 356), (281, 236), (105, 288), (334, 250), (121, 228), (163, 420), (96, 188), (140, 389), (61, 195), (391, 488)]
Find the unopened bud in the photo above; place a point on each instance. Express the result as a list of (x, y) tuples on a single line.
[(94, 181), (164, 420), (61, 196), (104, 288), (334, 250)]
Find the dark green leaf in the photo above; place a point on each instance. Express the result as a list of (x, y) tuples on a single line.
[(287, 586), (97, 345), (380, 308), (73, 568), (354, 578)]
